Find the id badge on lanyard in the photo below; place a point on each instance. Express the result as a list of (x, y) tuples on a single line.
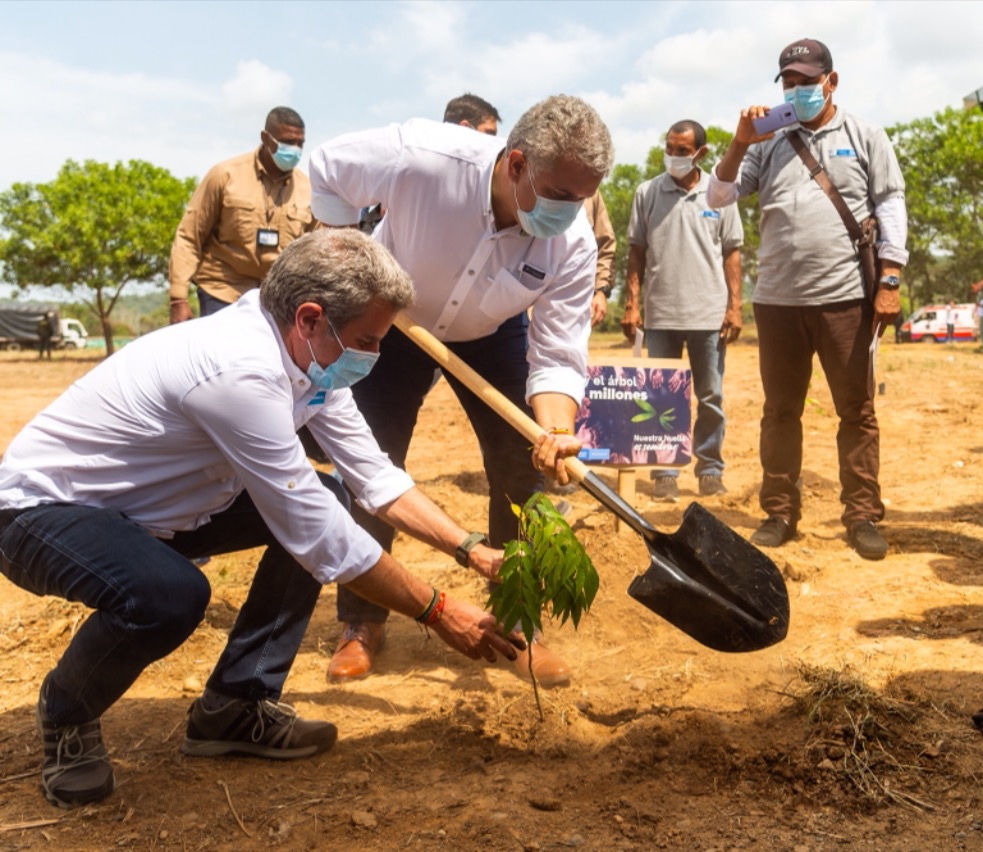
[(267, 237)]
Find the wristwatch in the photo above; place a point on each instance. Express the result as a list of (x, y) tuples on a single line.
[(606, 290), (466, 546), (890, 282)]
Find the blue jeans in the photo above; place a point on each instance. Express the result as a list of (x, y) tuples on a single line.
[(148, 597), (390, 399), (706, 353)]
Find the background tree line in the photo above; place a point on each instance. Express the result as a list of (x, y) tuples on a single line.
[(97, 228)]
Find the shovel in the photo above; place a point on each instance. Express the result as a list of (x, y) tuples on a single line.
[(704, 578)]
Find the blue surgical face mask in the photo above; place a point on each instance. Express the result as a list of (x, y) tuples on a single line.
[(286, 157), (351, 366), (807, 100), (548, 217)]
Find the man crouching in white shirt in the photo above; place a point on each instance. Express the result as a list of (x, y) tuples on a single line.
[(189, 448)]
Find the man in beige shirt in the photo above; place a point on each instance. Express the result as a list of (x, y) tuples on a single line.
[(242, 215)]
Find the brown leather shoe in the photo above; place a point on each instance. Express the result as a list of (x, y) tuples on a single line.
[(356, 651), (550, 668)]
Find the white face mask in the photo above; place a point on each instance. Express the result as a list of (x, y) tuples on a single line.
[(678, 167)]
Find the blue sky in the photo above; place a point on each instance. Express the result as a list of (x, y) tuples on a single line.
[(185, 84)]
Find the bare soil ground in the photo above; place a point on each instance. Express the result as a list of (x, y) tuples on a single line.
[(853, 733)]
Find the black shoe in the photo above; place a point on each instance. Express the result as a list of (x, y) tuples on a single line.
[(262, 728), (773, 533), (711, 485), (866, 540), (666, 488), (977, 718), (76, 769)]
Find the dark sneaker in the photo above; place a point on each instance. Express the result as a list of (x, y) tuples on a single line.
[(773, 533), (665, 488), (978, 720), (866, 540), (76, 769), (711, 485), (261, 728)]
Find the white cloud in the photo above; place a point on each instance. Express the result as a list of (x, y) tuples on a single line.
[(256, 86)]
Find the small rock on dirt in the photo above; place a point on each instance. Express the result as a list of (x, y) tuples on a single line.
[(364, 819)]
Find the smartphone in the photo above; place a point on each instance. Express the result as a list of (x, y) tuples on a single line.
[(780, 116)]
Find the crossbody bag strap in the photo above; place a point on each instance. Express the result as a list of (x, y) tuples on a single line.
[(818, 174)]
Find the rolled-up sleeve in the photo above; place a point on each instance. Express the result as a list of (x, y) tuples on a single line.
[(721, 193)]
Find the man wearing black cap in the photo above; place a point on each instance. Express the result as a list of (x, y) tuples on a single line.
[(809, 296)]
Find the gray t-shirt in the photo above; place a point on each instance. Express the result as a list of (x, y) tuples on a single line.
[(806, 256), (685, 241)]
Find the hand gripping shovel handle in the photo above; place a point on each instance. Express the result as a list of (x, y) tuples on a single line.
[(704, 578)]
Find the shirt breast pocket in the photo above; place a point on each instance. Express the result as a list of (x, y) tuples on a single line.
[(846, 172), (507, 295), (239, 221), (298, 220)]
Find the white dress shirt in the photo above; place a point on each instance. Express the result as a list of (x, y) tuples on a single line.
[(434, 182), (175, 425)]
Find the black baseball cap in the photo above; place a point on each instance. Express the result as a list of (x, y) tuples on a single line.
[(807, 56)]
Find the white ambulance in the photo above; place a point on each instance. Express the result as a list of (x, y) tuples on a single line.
[(927, 324)]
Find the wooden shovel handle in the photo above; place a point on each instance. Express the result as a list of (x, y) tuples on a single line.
[(492, 397)]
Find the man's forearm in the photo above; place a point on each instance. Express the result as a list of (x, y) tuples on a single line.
[(730, 164), (732, 277), (554, 411), (417, 515), (390, 585), (633, 276)]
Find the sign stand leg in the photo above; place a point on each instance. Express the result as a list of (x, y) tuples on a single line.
[(626, 491)]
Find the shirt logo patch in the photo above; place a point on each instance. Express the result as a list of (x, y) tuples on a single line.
[(843, 152), (710, 214), (318, 398), (538, 274)]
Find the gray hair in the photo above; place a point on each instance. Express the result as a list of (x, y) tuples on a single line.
[(563, 127), (340, 269)]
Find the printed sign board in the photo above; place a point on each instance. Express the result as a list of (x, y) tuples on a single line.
[(636, 411)]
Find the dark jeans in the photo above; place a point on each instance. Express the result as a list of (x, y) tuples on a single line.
[(706, 351), (208, 305), (148, 598), (390, 399), (787, 339)]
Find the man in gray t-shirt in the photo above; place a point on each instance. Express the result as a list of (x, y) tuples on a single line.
[(688, 256), (809, 297)]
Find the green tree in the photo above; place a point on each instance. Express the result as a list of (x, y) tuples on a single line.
[(94, 228), (619, 191), (941, 158)]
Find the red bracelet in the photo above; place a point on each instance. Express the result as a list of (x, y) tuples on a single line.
[(436, 612)]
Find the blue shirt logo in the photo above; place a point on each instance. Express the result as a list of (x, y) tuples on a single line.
[(843, 152), (318, 398), (710, 214)]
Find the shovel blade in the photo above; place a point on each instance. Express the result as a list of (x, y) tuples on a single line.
[(714, 585)]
